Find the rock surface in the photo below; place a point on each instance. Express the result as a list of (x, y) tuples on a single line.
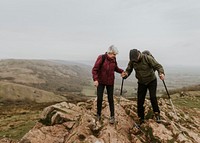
[(69, 123)]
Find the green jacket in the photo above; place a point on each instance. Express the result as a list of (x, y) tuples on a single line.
[(145, 69)]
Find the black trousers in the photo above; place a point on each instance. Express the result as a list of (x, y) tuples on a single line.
[(100, 90), (141, 93)]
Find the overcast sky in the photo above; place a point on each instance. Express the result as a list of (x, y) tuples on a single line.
[(83, 29)]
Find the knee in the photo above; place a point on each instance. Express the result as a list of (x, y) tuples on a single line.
[(153, 97)]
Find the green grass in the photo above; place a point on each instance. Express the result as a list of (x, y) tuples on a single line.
[(15, 126), (17, 119), (188, 102), (18, 131)]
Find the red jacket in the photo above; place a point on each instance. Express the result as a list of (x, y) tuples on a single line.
[(104, 73)]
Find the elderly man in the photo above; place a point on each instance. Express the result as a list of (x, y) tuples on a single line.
[(145, 67)]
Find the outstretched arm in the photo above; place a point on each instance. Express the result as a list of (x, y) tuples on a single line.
[(128, 71)]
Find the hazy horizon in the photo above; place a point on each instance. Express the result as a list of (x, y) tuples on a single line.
[(121, 63), (175, 76)]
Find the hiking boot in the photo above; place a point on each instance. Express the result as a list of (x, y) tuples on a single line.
[(157, 116), (112, 120)]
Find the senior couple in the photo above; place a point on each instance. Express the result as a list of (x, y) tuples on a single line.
[(144, 66)]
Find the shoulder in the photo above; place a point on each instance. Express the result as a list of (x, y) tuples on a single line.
[(102, 56)]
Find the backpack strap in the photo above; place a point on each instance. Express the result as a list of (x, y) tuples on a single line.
[(102, 60)]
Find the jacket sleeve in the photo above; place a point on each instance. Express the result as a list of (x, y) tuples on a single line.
[(117, 69), (155, 65), (96, 68), (129, 68)]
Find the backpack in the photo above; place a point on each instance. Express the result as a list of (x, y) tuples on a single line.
[(146, 52)]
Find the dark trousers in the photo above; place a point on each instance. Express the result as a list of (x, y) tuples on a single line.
[(100, 90), (141, 93)]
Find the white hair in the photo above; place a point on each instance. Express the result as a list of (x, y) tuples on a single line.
[(112, 49)]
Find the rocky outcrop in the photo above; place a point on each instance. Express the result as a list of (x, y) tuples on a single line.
[(69, 123)]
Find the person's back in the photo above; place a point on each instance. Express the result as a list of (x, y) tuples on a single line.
[(143, 72), (145, 67)]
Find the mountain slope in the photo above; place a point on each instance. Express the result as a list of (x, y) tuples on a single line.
[(10, 92), (51, 77)]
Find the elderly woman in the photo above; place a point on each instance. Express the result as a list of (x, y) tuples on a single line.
[(103, 76)]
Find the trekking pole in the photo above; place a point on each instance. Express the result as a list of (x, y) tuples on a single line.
[(121, 90), (122, 86), (169, 97), (173, 108)]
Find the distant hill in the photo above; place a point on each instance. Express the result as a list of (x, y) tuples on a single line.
[(71, 79), (24, 77)]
